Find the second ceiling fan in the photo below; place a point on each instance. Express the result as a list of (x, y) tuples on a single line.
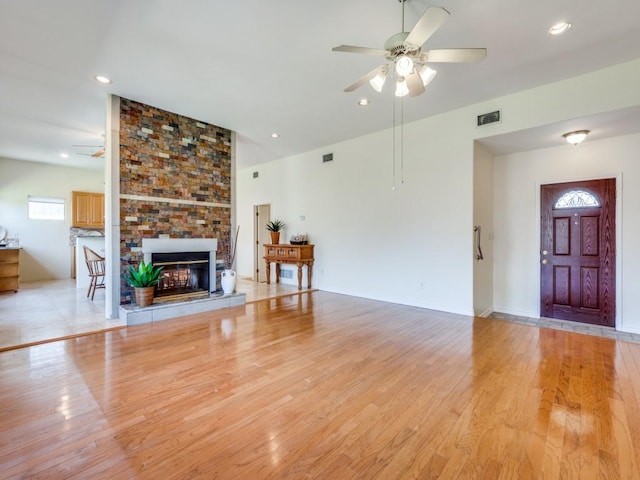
[(407, 59)]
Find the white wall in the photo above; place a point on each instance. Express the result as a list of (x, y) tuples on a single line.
[(413, 245), (46, 253), (517, 219)]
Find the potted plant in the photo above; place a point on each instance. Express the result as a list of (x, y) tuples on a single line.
[(143, 279), (274, 227)]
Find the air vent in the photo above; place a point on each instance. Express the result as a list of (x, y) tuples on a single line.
[(255, 174), (489, 118), (328, 157)]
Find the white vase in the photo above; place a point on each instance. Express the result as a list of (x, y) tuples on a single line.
[(228, 281)]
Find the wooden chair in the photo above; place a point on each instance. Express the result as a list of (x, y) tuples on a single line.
[(95, 265)]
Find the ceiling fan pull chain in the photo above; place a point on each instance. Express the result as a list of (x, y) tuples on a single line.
[(393, 131), (402, 138), (398, 145)]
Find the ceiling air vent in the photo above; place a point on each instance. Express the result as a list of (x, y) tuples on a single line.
[(328, 157), (489, 118)]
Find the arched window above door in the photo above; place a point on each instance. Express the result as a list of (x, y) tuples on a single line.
[(577, 199)]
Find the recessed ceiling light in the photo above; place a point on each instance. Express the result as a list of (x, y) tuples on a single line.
[(559, 28), (64, 155), (275, 135), (103, 80), (363, 102)]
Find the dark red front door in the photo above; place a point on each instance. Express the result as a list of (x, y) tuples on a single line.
[(577, 268)]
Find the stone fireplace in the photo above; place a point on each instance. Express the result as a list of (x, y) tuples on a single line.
[(189, 266), (175, 185)]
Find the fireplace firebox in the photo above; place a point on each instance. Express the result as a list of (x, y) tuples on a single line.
[(184, 275)]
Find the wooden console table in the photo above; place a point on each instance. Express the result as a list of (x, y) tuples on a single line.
[(294, 254)]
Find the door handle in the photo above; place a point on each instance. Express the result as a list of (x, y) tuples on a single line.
[(545, 261), (477, 229)]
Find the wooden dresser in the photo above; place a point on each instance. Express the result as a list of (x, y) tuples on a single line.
[(291, 254), (9, 269)]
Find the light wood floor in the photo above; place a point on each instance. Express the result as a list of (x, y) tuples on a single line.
[(322, 386), (54, 310)]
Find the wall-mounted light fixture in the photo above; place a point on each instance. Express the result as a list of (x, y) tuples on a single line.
[(576, 137)]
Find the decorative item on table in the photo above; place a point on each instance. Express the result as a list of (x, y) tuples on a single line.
[(299, 239), (274, 227), (143, 279)]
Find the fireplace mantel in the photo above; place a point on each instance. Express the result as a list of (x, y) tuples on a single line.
[(169, 245)]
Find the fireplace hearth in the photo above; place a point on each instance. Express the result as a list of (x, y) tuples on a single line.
[(164, 310)]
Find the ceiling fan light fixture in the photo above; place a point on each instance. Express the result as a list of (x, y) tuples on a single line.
[(377, 82), (427, 74), (404, 65), (576, 137), (401, 88)]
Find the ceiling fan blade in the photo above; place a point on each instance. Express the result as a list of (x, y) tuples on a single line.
[(365, 78), (363, 50), (431, 20), (456, 55), (414, 84)]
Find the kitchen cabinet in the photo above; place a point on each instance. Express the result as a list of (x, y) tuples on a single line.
[(87, 209), (9, 269)]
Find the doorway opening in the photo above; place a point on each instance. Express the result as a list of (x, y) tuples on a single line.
[(262, 214)]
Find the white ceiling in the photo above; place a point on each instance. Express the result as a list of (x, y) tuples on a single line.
[(260, 66)]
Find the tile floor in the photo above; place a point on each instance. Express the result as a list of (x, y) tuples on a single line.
[(587, 329), (53, 310)]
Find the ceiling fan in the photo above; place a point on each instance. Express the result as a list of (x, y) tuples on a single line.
[(407, 59), (97, 154)]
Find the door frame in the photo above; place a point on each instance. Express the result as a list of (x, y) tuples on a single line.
[(619, 320), (258, 248)]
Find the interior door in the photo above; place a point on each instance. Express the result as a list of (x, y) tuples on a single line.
[(262, 214), (577, 251)]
